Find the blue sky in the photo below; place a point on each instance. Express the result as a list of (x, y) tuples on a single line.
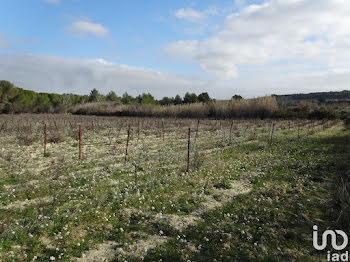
[(137, 29), (251, 48)]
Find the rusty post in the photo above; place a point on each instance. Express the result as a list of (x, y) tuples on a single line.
[(188, 150), (127, 144), (135, 172), (272, 129), (80, 138), (138, 130), (231, 132), (45, 138), (163, 128)]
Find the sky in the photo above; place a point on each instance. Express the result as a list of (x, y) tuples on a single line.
[(164, 47)]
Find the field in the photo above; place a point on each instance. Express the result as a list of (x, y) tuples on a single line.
[(142, 189)]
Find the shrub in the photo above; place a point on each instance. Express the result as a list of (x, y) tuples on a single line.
[(347, 122), (323, 114), (56, 138)]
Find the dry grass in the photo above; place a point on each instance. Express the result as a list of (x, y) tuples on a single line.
[(258, 107), (27, 139), (344, 199), (56, 138)]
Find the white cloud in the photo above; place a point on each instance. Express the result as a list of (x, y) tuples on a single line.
[(61, 75), (322, 81), (84, 28), (186, 49), (215, 64), (103, 61), (53, 1), (239, 3), (193, 15), (315, 32)]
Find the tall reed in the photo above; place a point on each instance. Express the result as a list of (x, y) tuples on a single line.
[(249, 108)]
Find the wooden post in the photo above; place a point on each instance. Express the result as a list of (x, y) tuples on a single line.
[(127, 144), (80, 137), (135, 172), (131, 134), (45, 138), (163, 129), (188, 150), (298, 130), (272, 129), (138, 130), (231, 132)]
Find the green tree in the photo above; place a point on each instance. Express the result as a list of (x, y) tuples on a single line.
[(24, 101), (146, 99), (204, 98), (55, 99), (43, 103), (236, 97), (127, 99), (8, 91), (190, 98), (94, 96), (167, 101), (187, 98), (112, 96), (177, 100)]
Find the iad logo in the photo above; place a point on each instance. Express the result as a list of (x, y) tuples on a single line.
[(333, 234), (333, 239)]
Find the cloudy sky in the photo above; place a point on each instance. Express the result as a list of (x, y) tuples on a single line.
[(166, 47)]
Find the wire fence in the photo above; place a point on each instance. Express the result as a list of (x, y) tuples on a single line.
[(89, 137)]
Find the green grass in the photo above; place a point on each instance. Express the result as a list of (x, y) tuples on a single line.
[(73, 205), (274, 222)]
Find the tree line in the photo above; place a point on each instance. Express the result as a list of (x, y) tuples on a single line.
[(147, 98), (17, 100)]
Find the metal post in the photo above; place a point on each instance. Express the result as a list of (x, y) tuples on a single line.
[(45, 138), (127, 144), (188, 150), (272, 129), (80, 137)]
